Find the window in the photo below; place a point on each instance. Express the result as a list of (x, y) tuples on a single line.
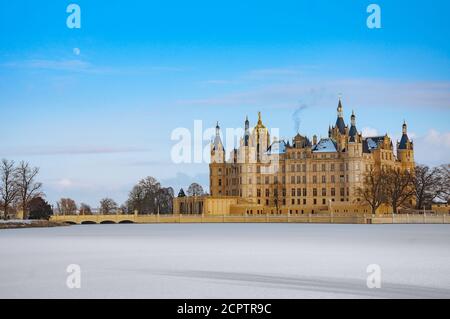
[(304, 191), (293, 192), (220, 182), (323, 168), (304, 179), (267, 192), (258, 192), (342, 191), (314, 167), (315, 179), (324, 179), (314, 192), (292, 179), (299, 168), (332, 168), (315, 201), (298, 179), (333, 191), (324, 192), (333, 179), (299, 192)]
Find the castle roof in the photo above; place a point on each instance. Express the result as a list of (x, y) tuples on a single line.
[(277, 147), (325, 145), (403, 142), (372, 143)]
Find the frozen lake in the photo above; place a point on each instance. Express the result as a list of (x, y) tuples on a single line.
[(226, 261)]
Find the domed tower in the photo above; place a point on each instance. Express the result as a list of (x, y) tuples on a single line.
[(405, 149), (260, 137)]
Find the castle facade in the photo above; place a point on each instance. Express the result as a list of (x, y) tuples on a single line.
[(265, 175)]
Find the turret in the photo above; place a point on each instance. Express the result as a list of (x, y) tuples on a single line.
[(217, 149), (247, 131), (353, 133), (405, 149)]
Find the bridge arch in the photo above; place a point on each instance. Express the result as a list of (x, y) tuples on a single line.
[(88, 222), (107, 222), (126, 222)]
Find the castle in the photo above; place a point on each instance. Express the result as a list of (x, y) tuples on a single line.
[(271, 176)]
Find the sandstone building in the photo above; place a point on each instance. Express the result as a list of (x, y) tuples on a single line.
[(301, 176)]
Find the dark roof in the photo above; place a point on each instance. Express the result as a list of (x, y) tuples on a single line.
[(217, 142), (340, 125), (277, 147), (325, 145), (403, 142), (371, 143)]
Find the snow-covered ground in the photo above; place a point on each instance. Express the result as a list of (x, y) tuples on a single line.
[(226, 261)]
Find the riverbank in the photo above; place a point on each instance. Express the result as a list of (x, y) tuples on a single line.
[(17, 223)]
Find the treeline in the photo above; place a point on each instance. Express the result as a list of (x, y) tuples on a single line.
[(418, 189), (19, 190), (146, 197)]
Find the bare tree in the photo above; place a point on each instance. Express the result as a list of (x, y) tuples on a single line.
[(195, 189), (427, 185), (399, 187), (85, 209), (148, 197), (107, 206), (67, 206), (8, 186), (373, 191), (444, 177), (28, 187)]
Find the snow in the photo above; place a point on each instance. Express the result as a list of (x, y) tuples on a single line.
[(371, 144), (226, 261), (15, 221), (324, 146), (278, 147)]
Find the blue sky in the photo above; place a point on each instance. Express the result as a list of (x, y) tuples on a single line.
[(98, 121)]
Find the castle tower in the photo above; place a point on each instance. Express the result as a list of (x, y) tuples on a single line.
[(405, 149), (340, 130), (354, 144), (247, 131), (260, 137), (217, 149)]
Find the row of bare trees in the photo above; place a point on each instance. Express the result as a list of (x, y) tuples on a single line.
[(18, 187), (146, 197), (67, 206), (399, 188)]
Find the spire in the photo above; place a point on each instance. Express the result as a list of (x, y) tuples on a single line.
[(259, 119), (247, 131), (217, 129), (340, 124), (353, 118), (340, 109), (404, 141)]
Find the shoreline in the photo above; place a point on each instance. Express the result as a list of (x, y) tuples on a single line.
[(15, 224)]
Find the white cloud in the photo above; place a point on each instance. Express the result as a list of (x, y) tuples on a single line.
[(432, 148), (369, 131), (362, 92)]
